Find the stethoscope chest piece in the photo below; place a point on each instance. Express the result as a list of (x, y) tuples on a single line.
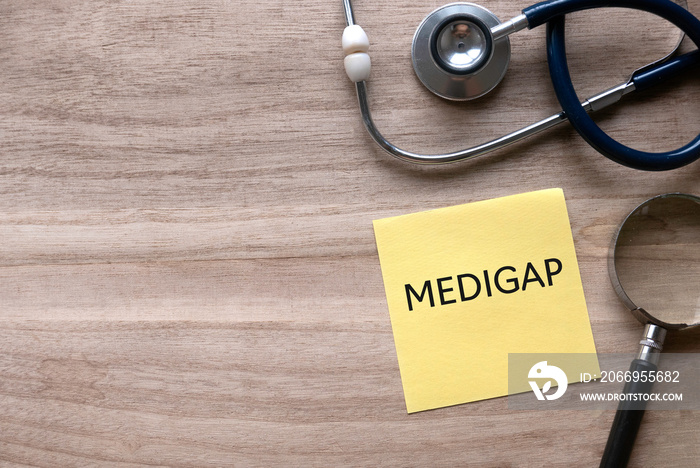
[(454, 53)]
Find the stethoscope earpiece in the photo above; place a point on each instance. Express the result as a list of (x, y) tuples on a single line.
[(454, 53)]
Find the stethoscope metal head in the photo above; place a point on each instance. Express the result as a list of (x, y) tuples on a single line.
[(454, 52)]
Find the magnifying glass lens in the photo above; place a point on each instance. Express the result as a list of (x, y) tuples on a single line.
[(657, 258), (461, 45)]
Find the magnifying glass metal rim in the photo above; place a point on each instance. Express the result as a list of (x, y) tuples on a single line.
[(639, 313)]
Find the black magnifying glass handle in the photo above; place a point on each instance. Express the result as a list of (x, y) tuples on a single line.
[(628, 417), (633, 400)]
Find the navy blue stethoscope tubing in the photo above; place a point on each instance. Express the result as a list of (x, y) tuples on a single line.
[(552, 13)]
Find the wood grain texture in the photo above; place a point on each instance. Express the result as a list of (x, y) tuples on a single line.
[(188, 274)]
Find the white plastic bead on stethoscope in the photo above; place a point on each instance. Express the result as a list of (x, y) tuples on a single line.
[(357, 61), (355, 40)]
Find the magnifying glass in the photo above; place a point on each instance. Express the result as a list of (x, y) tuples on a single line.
[(655, 270)]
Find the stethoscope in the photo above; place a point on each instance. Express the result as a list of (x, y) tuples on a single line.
[(461, 51)]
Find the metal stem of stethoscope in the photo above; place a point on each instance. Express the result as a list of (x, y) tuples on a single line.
[(592, 104), (498, 32), (518, 23)]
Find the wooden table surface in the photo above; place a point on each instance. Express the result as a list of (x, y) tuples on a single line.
[(188, 272)]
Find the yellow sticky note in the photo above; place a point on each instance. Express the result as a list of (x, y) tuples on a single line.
[(468, 284)]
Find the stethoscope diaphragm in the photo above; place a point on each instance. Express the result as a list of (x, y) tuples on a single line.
[(454, 53)]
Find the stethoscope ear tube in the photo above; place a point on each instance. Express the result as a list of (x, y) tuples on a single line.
[(646, 78), (552, 13)]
